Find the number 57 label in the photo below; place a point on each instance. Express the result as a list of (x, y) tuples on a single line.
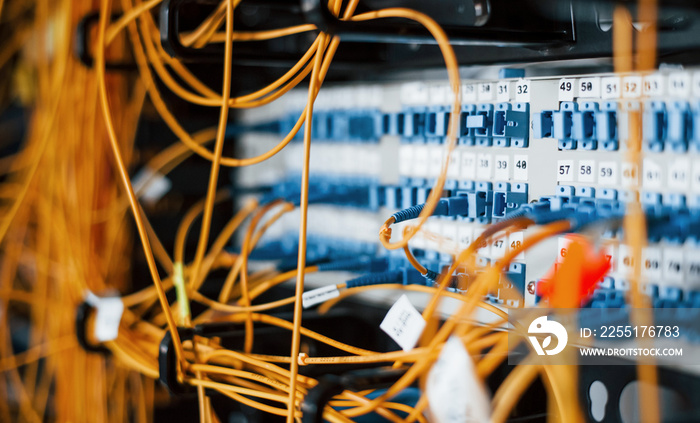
[(565, 170)]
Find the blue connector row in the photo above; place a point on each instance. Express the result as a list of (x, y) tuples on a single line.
[(673, 125), (502, 124), (586, 125), (355, 125), (481, 201)]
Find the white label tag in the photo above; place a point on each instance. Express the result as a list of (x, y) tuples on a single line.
[(566, 89), (421, 158), (484, 166), (498, 248), (454, 391), (695, 185), (607, 175), (625, 263), (652, 174), (610, 87), (679, 174), (468, 166), (414, 93), (107, 317), (438, 94), (673, 265), (565, 170), (629, 175), (652, 264), (632, 86), (515, 240), (319, 295), (589, 87), (403, 323), (520, 168), (586, 171), (679, 84), (464, 236), (453, 167), (503, 91), (405, 159), (522, 91), (502, 171), (696, 84), (436, 160), (469, 93), (486, 92), (653, 85), (151, 186)]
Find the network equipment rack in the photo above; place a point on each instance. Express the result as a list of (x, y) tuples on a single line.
[(260, 211)]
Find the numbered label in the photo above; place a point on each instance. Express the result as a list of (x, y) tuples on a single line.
[(679, 174), (589, 87), (484, 164), (468, 166), (566, 89), (673, 265), (651, 178), (469, 93), (453, 169), (486, 92), (520, 166), (464, 236), (586, 171), (632, 87), (565, 171), (503, 91), (679, 84), (629, 175), (652, 264), (515, 241), (653, 85), (522, 91), (498, 248), (692, 265), (502, 168), (607, 173), (625, 261), (610, 87)]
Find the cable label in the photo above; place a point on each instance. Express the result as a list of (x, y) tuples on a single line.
[(107, 317), (403, 323), (319, 295), (454, 392)]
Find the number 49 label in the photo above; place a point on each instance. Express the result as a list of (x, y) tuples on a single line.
[(566, 89)]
